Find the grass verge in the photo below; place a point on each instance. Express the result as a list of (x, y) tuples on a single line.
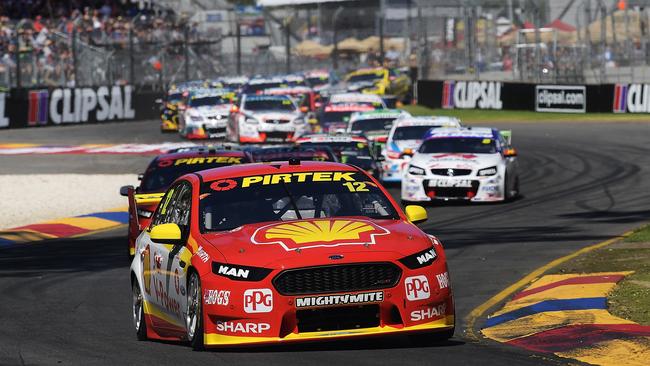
[(630, 299), (477, 115)]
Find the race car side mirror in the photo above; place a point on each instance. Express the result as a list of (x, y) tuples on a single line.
[(124, 190), (407, 152), (510, 152), (166, 234), (382, 139), (416, 214)]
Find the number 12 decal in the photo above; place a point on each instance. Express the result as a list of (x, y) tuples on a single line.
[(356, 186)]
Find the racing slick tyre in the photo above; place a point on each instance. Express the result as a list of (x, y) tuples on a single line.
[(513, 192), (429, 338), (138, 312), (194, 319)]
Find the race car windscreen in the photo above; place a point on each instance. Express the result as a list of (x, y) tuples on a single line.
[(317, 81), (332, 117), (372, 125), (163, 172), (302, 154), (254, 88), (365, 77), (227, 204), (174, 97), (208, 101), (410, 132), (269, 104), (472, 145)]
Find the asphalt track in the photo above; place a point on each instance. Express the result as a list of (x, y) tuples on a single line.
[(68, 301)]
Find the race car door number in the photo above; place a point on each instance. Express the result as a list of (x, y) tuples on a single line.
[(462, 183)]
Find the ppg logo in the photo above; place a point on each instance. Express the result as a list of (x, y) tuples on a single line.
[(258, 300), (417, 288)]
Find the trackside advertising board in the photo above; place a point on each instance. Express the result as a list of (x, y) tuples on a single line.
[(631, 98), (60, 106), (561, 98)]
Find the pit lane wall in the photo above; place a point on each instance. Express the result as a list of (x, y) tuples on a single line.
[(496, 95), (20, 108)]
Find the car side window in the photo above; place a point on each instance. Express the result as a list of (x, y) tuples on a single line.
[(163, 207), (179, 212)]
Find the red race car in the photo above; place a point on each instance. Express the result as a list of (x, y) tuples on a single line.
[(163, 171), (281, 252)]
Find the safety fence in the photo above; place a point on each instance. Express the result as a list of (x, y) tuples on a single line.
[(498, 95)]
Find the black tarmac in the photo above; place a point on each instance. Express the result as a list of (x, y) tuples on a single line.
[(68, 302)]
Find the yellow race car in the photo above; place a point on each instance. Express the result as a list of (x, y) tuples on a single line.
[(380, 81), (169, 110)]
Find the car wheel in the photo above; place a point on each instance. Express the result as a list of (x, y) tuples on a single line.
[(194, 319), (429, 338), (138, 312)]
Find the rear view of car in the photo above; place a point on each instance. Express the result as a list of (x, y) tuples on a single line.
[(266, 118), (474, 164), (162, 172), (286, 153), (404, 138), (336, 113)]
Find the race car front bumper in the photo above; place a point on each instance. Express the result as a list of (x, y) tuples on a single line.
[(268, 132), (393, 169), (418, 188), (210, 130), (258, 313)]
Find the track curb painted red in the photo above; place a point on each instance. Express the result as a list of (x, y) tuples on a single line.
[(65, 227)]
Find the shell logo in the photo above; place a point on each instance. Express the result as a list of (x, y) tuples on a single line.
[(318, 233)]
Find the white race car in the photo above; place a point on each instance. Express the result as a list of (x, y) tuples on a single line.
[(205, 114), (266, 118), (404, 138), (474, 164), (375, 125)]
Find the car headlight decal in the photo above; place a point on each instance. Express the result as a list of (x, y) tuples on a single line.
[(196, 118), (251, 120), (487, 171), (415, 170), (419, 259), (239, 272)]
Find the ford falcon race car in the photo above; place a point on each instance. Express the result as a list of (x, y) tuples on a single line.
[(475, 164), (349, 149), (284, 153), (375, 125), (266, 118), (161, 172), (237, 255), (380, 81), (335, 114), (404, 138), (205, 114), (169, 110)]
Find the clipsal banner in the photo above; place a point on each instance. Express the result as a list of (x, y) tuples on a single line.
[(632, 98), (471, 94), (79, 105)]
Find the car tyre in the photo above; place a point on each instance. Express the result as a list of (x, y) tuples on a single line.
[(511, 193), (194, 318), (138, 312)]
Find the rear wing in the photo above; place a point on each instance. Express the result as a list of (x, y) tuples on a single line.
[(148, 198), (507, 134)]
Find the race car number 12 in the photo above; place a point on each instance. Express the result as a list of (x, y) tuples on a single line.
[(356, 186)]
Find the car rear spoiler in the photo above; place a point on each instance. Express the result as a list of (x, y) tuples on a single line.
[(507, 134), (148, 198)]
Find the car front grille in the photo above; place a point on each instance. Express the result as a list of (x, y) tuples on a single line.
[(451, 192), (337, 278), (451, 172), (277, 121), (338, 318)]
